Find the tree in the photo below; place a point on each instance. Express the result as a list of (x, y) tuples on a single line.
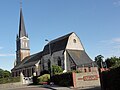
[(99, 60), (113, 62), (4, 73), (56, 69), (1, 73)]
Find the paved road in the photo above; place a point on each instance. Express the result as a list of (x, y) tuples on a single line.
[(43, 87), (30, 88), (47, 87), (26, 88)]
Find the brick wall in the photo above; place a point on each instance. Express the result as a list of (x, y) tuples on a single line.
[(86, 79)]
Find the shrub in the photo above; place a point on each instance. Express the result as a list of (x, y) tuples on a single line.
[(44, 72), (111, 79), (35, 80), (44, 78), (64, 79), (15, 79), (9, 80), (56, 69)]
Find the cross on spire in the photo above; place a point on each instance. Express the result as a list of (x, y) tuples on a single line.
[(20, 3)]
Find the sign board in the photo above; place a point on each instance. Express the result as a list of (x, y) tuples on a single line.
[(86, 79)]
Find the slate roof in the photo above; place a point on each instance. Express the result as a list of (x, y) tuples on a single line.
[(57, 44), (29, 61), (80, 58), (22, 31)]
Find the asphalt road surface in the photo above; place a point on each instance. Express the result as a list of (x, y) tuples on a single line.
[(43, 87), (30, 88)]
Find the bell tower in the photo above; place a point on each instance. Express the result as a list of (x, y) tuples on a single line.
[(22, 41)]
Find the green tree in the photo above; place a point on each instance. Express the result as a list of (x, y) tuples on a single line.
[(4, 73), (1, 73), (56, 69), (99, 60), (113, 62)]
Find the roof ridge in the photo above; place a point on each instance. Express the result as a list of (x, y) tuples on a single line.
[(61, 37)]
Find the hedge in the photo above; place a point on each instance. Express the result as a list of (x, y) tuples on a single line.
[(41, 79), (111, 79), (44, 78), (35, 80), (64, 79), (9, 80)]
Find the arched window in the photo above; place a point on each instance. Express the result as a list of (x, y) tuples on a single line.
[(89, 68), (23, 44), (43, 64), (74, 40), (26, 44), (59, 61), (32, 70), (85, 70), (48, 64)]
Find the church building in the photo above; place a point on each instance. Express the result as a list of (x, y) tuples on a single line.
[(66, 51)]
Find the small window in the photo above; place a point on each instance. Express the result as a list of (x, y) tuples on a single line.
[(23, 44), (73, 68), (59, 61), (48, 63), (74, 40), (32, 70), (26, 44), (85, 70), (89, 68)]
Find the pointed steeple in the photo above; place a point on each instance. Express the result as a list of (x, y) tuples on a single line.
[(22, 31), (22, 44)]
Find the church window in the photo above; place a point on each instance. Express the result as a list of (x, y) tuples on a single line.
[(26, 44), (74, 40), (32, 70), (43, 64), (59, 61), (23, 44), (18, 73), (73, 68), (85, 70), (15, 73), (48, 64), (89, 68)]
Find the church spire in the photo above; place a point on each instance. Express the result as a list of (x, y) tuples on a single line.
[(20, 3), (22, 31), (22, 44)]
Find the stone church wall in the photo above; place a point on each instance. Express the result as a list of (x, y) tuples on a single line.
[(54, 60), (58, 56)]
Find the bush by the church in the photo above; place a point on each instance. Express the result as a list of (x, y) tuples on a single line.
[(56, 69), (44, 78), (44, 72), (64, 79), (41, 79)]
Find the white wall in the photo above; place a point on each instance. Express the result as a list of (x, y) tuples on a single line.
[(74, 45)]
